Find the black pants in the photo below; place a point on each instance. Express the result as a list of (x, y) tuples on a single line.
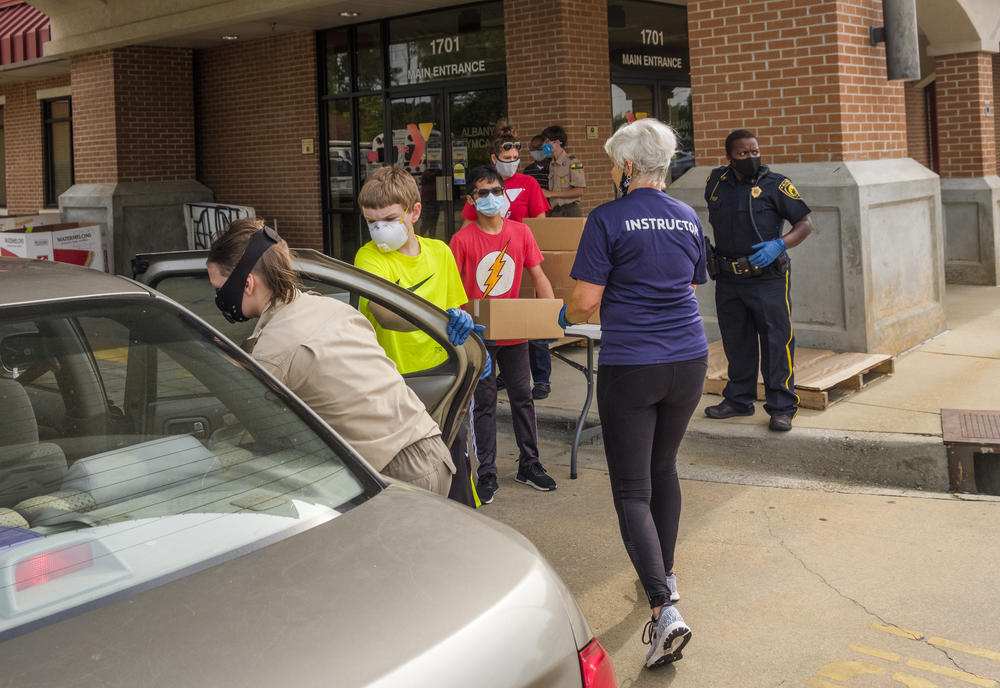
[(644, 411), (513, 360), (461, 482), (541, 361), (755, 320)]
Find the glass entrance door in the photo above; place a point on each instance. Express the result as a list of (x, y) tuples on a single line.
[(438, 137), (632, 100)]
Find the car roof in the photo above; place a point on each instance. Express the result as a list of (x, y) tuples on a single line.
[(27, 281)]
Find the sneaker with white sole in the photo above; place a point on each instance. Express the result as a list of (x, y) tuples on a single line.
[(666, 637), (534, 475), (672, 587)]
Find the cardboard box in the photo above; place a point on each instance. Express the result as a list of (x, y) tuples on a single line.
[(557, 233), (69, 242), (556, 265), (518, 318)]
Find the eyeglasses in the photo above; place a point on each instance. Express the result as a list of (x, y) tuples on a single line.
[(483, 193), (508, 145)]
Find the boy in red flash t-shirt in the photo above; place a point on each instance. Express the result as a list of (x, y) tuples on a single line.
[(491, 253)]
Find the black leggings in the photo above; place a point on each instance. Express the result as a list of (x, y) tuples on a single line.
[(644, 411)]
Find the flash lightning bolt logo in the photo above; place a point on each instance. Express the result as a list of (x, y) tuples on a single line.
[(495, 271)]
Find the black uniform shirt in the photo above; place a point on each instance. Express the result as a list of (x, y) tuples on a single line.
[(772, 196)]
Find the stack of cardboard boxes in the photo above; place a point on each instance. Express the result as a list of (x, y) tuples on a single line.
[(558, 238), (46, 237)]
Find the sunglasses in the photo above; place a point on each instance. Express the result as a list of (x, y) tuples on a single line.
[(508, 145), (483, 193)]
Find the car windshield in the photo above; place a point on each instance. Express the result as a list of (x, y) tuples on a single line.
[(133, 445)]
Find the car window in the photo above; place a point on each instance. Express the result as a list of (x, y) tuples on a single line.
[(156, 451)]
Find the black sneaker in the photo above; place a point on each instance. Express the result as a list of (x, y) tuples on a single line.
[(486, 488), (727, 409), (533, 474), (540, 391)]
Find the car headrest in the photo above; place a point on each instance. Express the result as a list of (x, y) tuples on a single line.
[(17, 422)]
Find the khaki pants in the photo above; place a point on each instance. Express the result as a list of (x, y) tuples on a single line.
[(568, 210), (426, 463)]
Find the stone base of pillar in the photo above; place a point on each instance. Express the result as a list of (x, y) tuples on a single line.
[(871, 276), (971, 229), (139, 216)]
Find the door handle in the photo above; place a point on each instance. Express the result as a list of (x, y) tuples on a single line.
[(443, 188)]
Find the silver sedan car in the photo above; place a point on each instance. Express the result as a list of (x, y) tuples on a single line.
[(171, 515)]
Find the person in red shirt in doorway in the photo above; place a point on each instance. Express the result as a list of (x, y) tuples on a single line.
[(523, 196), (492, 253)]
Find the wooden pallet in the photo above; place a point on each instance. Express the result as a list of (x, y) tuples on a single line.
[(822, 377)]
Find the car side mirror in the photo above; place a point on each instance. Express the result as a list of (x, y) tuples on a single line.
[(18, 352)]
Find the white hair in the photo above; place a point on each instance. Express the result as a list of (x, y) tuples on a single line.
[(649, 144)]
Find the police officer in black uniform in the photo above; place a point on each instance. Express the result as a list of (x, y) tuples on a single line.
[(748, 205)]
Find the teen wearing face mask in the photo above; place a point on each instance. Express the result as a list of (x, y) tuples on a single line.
[(325, 351), (748, 205), (523, 196), (492, 254), (390, 202)]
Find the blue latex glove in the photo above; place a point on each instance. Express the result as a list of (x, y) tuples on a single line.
[(478, 330), (563, 322), (459, 326), (767, 251)]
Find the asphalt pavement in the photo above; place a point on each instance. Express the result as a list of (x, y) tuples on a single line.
[(807, 584)]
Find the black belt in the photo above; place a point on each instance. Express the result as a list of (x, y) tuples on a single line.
[(741, 266)]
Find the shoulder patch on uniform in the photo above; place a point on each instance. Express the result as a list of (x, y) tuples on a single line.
[(786, 187), (576, 165)]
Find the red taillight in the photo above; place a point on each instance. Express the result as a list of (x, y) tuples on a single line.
[(595, 664), (51, 565)]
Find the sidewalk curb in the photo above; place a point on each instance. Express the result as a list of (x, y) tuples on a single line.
[(869, 458)]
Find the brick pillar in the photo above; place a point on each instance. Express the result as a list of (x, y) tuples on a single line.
[(558, 73), (967, 145), (804, 78), (967, 135), (133, 115)]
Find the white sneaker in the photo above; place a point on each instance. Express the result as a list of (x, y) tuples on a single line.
[(672, 587), (666, 637)]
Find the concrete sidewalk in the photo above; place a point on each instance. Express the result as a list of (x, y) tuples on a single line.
[(887, 434)]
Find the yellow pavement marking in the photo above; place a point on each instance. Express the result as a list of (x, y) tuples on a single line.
[(913, 681), (845, 671), (875, 652), (896, 630), (952, 673), (119, 355), (817, 683), (968, 649)]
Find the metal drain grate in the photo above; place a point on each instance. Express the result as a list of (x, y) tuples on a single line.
[(970, 427)]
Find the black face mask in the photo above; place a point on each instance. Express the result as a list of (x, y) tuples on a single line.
[(229, 298), (748, 167)]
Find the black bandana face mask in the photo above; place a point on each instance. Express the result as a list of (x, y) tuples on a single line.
[(229, 298), (748, 167)]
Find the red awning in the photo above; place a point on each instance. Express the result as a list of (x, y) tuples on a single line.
[(23, 30)]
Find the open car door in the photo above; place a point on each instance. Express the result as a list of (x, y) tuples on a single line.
[(446, 389)]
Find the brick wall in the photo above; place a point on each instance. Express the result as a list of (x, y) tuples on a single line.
[(801, 74), (22, 115), (966, 134), (558, 73), (254, 102), (917, 133)]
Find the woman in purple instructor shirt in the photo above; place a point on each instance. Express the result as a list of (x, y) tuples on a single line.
[(639, 259)]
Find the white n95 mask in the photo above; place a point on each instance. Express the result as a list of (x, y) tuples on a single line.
[(388, 236)]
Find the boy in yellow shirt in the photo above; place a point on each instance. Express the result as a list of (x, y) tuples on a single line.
[(390, 202)]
